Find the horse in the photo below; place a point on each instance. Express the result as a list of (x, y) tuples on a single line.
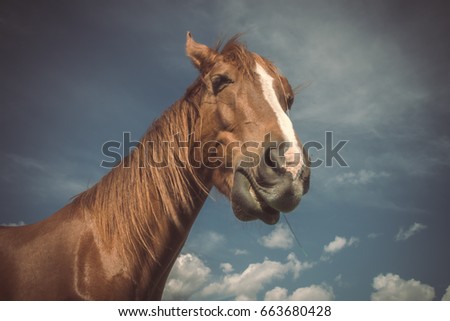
[(119, 239)]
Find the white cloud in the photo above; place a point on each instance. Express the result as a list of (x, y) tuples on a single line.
[(207, 242), (20, 223), (276, 294), (403, 235), (214, 237), (189, 274), (358, 178), (240, 252), (280, 238), (246, 285), (373, 236), (339, 280), (226, 267), (26, 162), (446, 296), (311, 293), (391, 287), (338, 244), (297, 266)]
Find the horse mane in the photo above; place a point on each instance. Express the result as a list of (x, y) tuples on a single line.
[(127, 203), (236, 52)]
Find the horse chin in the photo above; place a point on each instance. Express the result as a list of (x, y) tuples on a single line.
[(248, 205)]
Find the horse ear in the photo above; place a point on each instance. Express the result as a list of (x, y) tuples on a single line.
[(199, 54)]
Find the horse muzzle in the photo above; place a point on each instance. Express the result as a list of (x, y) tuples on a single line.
[(273, 186)]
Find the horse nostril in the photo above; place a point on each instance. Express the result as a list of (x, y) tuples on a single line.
[(268, 159), (281, 161), (274, 160)]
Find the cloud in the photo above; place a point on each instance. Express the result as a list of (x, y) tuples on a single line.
[(189, 274), (276, 294), (362, 107), (240, 252), (362, 177), (336, 57), (280, 238), (20, 223), (246, 285), (339, 280), (391, 287), (403, 235), (337, 245), (56, 178), (311, 293), (207, 242), (446, 296), (215, 237), (226, 267), (26, 162), (373, 236)]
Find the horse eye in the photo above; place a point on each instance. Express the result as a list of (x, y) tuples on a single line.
[(290, 101), (219, 82)]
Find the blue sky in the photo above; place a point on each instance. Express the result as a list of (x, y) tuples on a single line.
[(78, 74)]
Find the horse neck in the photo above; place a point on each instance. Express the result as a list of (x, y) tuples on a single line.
[(145, 210)]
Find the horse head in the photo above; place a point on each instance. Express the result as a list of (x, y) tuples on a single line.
[(248, 140)]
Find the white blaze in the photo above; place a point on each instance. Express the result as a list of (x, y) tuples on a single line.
[(283, 120)]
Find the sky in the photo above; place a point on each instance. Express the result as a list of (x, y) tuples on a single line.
[(76, 74)]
